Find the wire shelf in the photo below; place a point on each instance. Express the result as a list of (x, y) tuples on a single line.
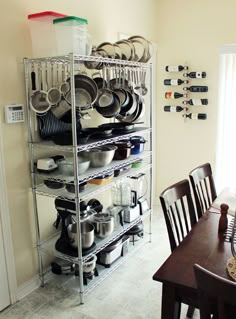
[(82, 58), (95, 172), (48, 246), (71, 282), (97, 143), (91, 189), (75, 62)]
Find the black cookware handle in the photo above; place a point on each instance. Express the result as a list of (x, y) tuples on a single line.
[(134, 198), (120, 217), (33, 81)]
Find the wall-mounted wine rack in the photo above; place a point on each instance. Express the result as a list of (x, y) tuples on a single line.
[(184, 82)]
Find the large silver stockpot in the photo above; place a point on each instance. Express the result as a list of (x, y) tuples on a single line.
[(87, 234), (104, 224)]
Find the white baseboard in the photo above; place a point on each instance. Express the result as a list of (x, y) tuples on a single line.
[(28, 287)]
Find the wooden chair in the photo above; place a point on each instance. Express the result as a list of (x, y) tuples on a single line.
[(180, 216), (203, 187), (217, 295), (179, 212)]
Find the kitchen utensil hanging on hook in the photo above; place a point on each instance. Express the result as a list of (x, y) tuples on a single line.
[(62, 107), (65, 86), (54, 94), (38, 100)]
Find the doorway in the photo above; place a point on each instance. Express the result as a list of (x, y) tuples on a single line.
[(4, 287), (225, 156)]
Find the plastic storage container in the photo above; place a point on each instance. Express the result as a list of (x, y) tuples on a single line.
[(71, 34), (43, 36)]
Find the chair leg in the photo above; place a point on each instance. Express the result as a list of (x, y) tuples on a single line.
[(190, 311)]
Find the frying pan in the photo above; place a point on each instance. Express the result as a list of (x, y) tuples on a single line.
[(97, 131), (86, 91), (38, 100), (66, 138), (111, 110), (83, 135), (105, 97), (131, 116), (122, 127)]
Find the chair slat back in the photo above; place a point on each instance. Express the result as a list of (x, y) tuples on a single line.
[(216, 295), (203, 187), (179, 212)]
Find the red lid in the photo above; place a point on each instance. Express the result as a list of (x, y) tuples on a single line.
[(46, 16)]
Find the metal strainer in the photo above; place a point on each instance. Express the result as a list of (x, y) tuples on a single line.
[(38, 102), (54, 94)]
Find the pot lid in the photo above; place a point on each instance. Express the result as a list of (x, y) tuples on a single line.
[(137, 139)]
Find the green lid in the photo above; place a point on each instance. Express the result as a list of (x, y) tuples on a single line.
[(70, 20)]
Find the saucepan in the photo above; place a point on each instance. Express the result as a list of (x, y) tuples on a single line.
[(138, 143), (123, 149)]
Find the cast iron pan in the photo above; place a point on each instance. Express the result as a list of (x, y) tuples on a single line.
[(83, 135), (66, 138), (119, 127), (70, 187)]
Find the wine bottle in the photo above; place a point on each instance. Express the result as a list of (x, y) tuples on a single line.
[(194, 75), (174, 95), (196, 102), (175, 82), (176, 68), (196, 88), (196, 116), (169, 108)]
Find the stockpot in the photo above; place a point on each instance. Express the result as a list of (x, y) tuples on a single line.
[(87, 234), (104, 224)]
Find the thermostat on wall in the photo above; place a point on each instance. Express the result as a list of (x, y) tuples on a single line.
[(14, 113)]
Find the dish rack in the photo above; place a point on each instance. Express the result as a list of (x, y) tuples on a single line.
[(44, 147)]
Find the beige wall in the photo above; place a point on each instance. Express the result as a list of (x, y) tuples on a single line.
[(192, 32), (106, 18)]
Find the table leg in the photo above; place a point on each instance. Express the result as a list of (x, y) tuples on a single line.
[(170, 308)]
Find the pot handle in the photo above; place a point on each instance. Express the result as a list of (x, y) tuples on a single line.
[(134, 199), (143, 141), (121, 218), (94, 75)]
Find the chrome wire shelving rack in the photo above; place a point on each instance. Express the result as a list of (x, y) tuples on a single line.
[(38, 188)]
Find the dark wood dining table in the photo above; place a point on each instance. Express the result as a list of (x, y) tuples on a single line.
[(204, 246)]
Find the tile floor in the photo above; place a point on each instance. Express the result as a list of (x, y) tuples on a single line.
[(128, 293)]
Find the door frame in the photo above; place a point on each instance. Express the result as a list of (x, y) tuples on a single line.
[(5, 224)]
